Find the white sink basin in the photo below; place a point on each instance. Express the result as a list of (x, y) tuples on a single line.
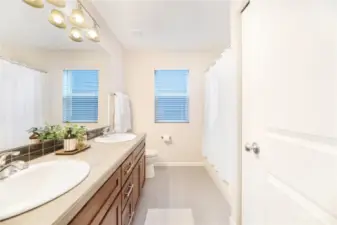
[(114, 138), (39, 184)]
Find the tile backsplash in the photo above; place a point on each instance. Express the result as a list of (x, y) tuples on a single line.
[(33, 151)]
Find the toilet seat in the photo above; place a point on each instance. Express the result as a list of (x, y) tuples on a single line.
[(151, 153)]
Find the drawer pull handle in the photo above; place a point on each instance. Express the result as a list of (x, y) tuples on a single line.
[(131, 218), (128, 170), (127, 195)]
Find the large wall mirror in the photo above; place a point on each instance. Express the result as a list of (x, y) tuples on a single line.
[(46, 77)]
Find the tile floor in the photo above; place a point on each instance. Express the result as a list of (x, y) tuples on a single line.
[(184, 188)]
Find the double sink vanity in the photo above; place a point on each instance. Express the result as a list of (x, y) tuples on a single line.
[(100, 186)]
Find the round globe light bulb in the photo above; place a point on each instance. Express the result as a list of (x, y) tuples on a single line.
[(58, 19), (93, 33), (79, 18), (76, 34)]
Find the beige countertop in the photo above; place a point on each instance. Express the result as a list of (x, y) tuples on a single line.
[(103, 159)]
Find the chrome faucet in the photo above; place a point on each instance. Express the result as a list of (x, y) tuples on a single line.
[(106, 131), (8, 169)]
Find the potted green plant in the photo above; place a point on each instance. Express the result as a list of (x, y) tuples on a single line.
[(35, 135), (50, 132), (82, 137), (74, 137)]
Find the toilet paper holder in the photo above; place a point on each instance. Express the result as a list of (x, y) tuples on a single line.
[(165, 136)]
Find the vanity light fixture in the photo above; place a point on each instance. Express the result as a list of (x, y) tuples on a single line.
[(58, 3), (77, 19), (75, 34), (57, 18), (34, 3), (77, 16), (92, 34)]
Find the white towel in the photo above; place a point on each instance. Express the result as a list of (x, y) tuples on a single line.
[(127, 114), (118, 112), (122, 113)]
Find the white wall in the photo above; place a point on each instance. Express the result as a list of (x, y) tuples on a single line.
[(32, 57), (187, 137)]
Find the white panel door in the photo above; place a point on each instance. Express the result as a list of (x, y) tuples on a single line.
[(290, 110)]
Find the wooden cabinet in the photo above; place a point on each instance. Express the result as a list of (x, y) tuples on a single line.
[(127, 191), (128, 213), (137, 187), (127, 168), (113, 217), (115, 202), (142, 166), (138, 179), (94, 211)]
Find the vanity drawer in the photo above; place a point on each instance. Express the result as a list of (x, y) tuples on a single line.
[(94, 211), (127, 168), (127, 191), (138, 151), (128, 213)]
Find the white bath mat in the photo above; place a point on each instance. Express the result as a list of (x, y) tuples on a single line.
[(169, 217)]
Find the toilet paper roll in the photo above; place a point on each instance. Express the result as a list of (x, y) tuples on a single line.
[(166, 138)]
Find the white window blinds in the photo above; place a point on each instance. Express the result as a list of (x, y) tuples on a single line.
[(80, 96), (171, 96)]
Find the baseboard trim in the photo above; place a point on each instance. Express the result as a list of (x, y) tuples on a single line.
[(179, 164)]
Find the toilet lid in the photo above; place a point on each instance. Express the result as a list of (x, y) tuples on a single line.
[(151, 152)]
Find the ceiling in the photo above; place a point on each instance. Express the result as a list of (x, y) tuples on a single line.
[(23, 25), (148, 25), (173, 25)]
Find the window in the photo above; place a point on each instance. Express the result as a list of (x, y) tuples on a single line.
[(80, 96), (171, 96)]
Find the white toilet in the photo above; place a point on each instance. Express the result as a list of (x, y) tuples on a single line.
[(151, 156)]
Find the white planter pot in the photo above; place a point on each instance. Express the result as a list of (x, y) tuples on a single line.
[(35, 141), (69, 144)]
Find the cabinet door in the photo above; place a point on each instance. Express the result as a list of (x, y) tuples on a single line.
[(128, 213), (142, 165), (97, 207), (114, 215), (136, 183)]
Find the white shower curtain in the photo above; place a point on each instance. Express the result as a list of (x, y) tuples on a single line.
[(220, 128), (24, 101)]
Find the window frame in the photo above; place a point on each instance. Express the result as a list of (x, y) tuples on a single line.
[(98, 87), (187, 95)]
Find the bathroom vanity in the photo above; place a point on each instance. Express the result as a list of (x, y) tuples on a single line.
[(107, 196), (115, 202)]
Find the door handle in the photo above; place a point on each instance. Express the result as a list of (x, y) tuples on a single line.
[(248, 147), (252, 147)]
